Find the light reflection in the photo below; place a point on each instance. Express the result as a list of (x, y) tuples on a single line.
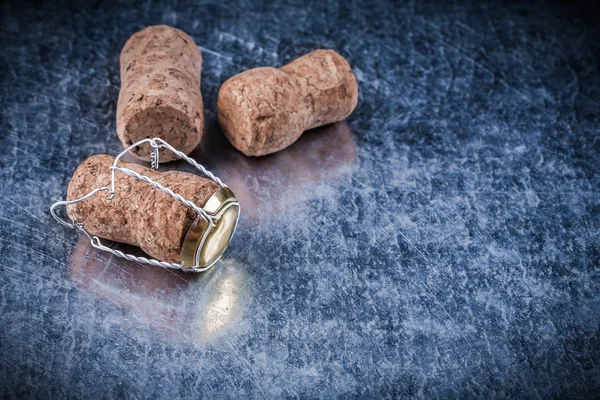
[(269, 186), (220, 309), (177, 306)]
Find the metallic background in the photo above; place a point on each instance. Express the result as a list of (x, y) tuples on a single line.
[(442, 242)]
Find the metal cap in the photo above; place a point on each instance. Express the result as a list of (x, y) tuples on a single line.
[(206, 241)]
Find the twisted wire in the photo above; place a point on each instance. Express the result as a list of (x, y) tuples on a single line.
[(190, 161), (151, 261), (162, 188)]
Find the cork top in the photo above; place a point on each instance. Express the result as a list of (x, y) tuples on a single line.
[(160, 91)]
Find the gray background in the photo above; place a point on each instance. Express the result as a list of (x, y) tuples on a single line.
[(443, 242)]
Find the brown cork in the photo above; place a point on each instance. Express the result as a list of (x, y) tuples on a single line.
[(264, 110), (138, 214), (160, 91)]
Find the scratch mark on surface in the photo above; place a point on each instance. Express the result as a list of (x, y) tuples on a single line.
[(431, 292), (28, 212), (216, 54)]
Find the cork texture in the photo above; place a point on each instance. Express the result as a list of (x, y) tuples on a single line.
[(264, 110), (138, 214), (160, 91)]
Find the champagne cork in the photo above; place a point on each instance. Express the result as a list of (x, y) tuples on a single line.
[(160, 91), (264, 110), (142, 215)]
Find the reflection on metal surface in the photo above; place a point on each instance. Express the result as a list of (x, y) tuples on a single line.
[(268, 186), (196, 309), (220, 310)]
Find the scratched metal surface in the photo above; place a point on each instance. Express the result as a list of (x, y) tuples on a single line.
[(442, 242)]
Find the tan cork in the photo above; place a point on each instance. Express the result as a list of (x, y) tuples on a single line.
[(160, 91), (264, 110), (138, 214)]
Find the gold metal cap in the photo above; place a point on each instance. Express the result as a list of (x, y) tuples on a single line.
[(206, 241)]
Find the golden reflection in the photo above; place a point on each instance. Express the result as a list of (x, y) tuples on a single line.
[(221, 307)]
